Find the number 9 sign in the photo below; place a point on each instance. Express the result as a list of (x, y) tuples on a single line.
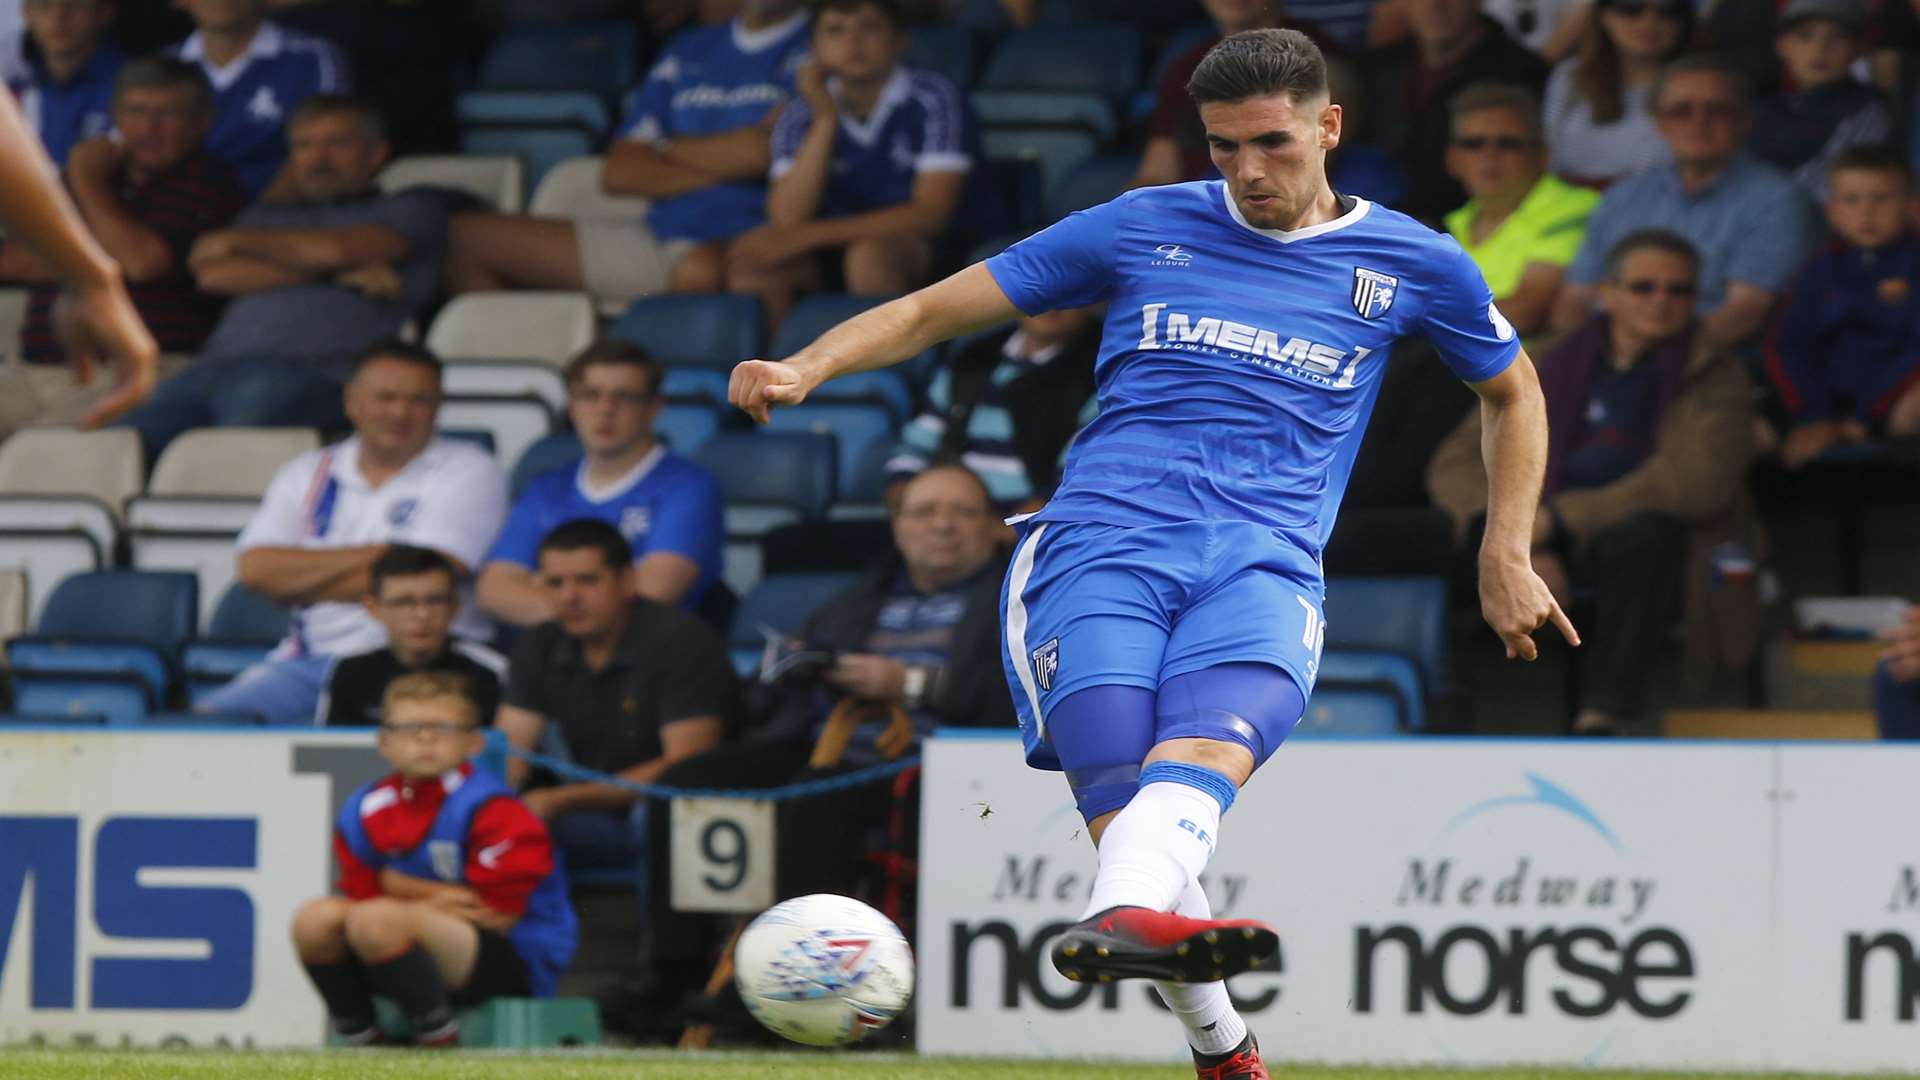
[(723, 855)]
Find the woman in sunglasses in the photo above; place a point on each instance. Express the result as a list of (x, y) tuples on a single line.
[(1521, 225), (1599, 122)]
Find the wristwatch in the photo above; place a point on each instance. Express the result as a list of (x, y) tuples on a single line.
[(913, 686)]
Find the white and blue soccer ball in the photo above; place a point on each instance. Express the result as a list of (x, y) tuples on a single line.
[(823, 970)]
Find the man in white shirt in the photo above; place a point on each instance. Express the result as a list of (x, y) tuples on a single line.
[(331, 513)]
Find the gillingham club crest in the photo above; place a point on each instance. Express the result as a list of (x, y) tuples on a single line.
[(1373, 292), (1046, 663)]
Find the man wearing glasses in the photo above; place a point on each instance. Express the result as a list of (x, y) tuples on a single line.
[(1648, 423), (667, 508), (1750, 224), (415, 595)]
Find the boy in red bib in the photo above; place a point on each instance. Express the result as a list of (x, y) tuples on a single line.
[(452, 890)]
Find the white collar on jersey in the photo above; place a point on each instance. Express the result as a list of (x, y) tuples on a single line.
[(624, 484), (753, 41), (1288, 236), (898, 88), (268, 42)]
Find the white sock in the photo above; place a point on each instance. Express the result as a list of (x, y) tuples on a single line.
[(1153, 849), (1213, 1025)]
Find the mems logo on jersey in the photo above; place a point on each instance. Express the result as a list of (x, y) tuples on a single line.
[(1309, 361), (1525, 902)]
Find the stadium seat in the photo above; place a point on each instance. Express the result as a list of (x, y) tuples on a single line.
[(244, 629), (769, 479), (716, 330), (1092, 182), (538, 147), (599, 58), (947, 50), (546, 326), (1350, 711), (62, 494), (21, 718), (685, 428), (1097, 58), (863, 494), (1402, 616), (205, 488), (172, 719), (576, 107), (571, 189), (1181, 43), (1053, 149), (695, 384), (506, 378), (103, 628), (855, 426), (1378, 672), (1048, 108), (815, 315), (480, 437), (781, 603), (551, 452), (498, 180), (513, 422), (13, 603), (13, 316)]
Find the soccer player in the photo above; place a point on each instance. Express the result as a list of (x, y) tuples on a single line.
[(1163, 611), (453, 890)]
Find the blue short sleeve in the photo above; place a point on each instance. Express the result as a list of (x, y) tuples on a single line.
[(789, 131), (1767, 257), (1068, 264), (689, 521), (519, 540), (1462, 323), (648, 123)]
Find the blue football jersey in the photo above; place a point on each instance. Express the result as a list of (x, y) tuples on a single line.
[(709, 81), (65, 114), (920, 124), (1238, 365), (255, 94)]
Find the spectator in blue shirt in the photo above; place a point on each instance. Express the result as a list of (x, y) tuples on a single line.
[(667, 508), (696, 146), (67, 91), (260, 71), (1749, 222), (870, 162)]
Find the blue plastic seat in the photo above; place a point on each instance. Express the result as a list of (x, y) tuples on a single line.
[(599, 58), (1350, 711), (786, 469), (19, 718), (551, 452), (245, 628), (716, 330), (1097, 58), (1066, 108), (203, 720), (1092, 182), (84, 698), (855, 426), (110, 623), (944, 49), (695, 384), (685, 427), (566, 107), (538, 146), (1371, 620), (1392, 673), (1053, 150)]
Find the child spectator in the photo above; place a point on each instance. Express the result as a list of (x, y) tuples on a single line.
[(870, 161), (1598, 112), (451, 891), (1800, 130), (1845, 354)]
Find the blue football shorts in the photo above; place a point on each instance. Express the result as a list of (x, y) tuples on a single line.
[(1088, 604)]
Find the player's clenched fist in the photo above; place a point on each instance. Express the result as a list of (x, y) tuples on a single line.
[(758, 385), (1516, 602)]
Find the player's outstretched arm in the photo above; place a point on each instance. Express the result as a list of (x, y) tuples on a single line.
[(1514, 422), (97, 321), (888, 334)]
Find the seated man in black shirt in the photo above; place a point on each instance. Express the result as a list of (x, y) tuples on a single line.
[(628, 686), (415, 595)]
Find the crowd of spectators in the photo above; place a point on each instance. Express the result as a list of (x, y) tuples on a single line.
[(1698, 214)]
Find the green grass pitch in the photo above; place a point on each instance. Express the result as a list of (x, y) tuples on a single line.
[(674, 1065)]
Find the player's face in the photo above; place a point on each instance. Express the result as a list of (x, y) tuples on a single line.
[(333, 156), (1273, 153), (66, 30), (1816, 52), (1495, 155), (945, 527), (1701, 119), (588, 597), (423, 737), (1867, 207), (392, 404), (159, 126), (1652, 296), (220, 15), (857, 44), (613, 408), (417, 610)]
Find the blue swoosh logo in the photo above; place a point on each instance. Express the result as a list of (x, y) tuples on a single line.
[(1545, 793)]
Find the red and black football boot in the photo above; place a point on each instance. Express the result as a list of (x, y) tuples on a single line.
[(1139, 943), (1241, 1063)]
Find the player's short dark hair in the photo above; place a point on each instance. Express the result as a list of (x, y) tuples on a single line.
[(583, 534), (395, 349), (405, 560), (1872, 157), (1652, 240), (363, 111), (1260, 63), (162, 72), (889, 8), (615, 352), (1709, 63), (1487, 96)]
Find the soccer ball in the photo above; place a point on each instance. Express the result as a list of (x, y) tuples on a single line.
[(823, 970)]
